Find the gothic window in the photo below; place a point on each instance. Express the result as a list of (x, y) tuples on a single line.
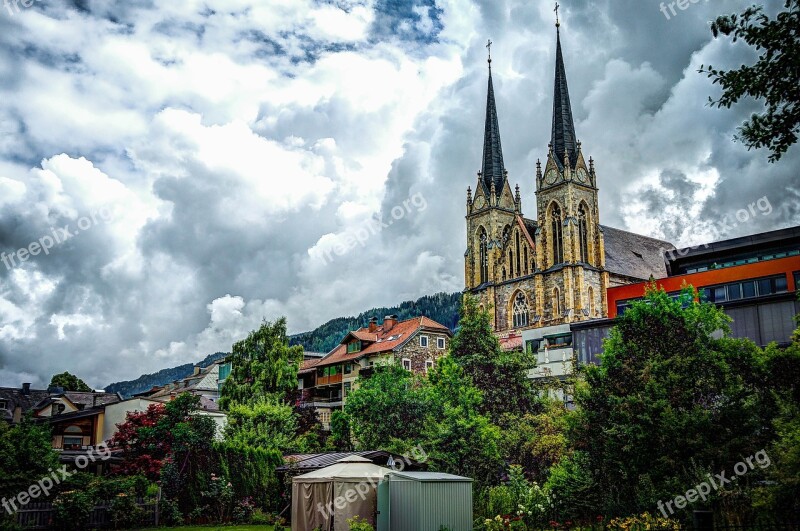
[(558, 239), (526, 259), (590, 294), (556, 304), (518, 268), (504, 272), (484, 256), (506, 234), (511, 263), (583, 238), (520, 311)]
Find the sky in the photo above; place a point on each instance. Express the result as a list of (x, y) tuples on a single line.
[(179, 171)]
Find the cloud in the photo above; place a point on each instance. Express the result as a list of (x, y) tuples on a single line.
[(237, 143)]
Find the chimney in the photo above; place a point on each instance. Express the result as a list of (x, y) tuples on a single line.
[(373, 324), (388, 322), (26, 389), (196, 370)]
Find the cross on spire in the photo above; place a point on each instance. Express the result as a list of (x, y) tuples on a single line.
[(489, 47), (558, 24)]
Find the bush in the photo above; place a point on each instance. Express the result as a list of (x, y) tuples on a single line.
[(170, 513), (125, 512), (72, 510), (358, 524)]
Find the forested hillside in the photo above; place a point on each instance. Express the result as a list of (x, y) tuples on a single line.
[(162, 377), (442, 307)]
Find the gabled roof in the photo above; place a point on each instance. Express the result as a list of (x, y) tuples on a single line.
[(381, 340), (633, 255)]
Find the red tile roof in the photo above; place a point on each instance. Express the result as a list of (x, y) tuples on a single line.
[(511, 342), (381, 340), (308, 365)]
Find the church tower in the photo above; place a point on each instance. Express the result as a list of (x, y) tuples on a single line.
[(543, 272), (569, 240)]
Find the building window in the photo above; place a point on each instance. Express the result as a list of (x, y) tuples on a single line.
[(423, 341), (354, 346), (484, 255), (520, 311), (559, 341), (428, 365), (440, 342), (590, 295), (583, 235), (746, 289), (558, 239), (556, 303), (347, 387), (511, 263), (797, 280), (72, 443), (525, 250), (3, 404), (518, 269), (407, 364), (532, 346)]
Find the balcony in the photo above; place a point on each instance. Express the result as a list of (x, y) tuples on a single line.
[(329, 380)]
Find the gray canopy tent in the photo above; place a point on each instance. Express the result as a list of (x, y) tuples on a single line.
[(326, 498)]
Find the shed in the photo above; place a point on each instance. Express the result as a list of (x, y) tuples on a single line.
[(424, 501), (327, 497)]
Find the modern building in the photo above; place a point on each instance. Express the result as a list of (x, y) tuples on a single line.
[(414, 343)]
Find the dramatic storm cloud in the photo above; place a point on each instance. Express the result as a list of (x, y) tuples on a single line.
[(194, 167)]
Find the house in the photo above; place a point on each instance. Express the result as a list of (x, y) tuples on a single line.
[(414, 343), (203, 382), (117, 413)]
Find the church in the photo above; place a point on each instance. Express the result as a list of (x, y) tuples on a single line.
[(555, 268)]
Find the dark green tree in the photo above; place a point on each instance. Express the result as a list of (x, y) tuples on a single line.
[(773, 79), (671, 402), (263, 366), (502, 377), (69, 382)]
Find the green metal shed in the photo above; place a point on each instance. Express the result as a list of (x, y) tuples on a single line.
[(424, 501)]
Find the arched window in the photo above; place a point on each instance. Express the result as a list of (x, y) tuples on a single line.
[(506, 234), (484, 255), (583, 234), (520, 311), (556, 304), (590, 295), (558, 239), (504, 272), (525, 250), (511, 263), (518, 268)]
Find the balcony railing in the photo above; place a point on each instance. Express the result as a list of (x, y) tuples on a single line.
[(328, 380)]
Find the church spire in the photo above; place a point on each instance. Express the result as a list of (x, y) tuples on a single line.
[(563, 136), (493, 168)]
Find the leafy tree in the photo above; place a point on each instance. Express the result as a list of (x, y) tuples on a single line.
[(774, 78), (502, 377), (670, 402), (26, 454), (388, 410), (263, 365), (340, 432), (69, 382), (265, 423)]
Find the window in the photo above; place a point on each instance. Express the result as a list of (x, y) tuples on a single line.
[(532, 346), (348, 368), (745, 289), (797, 280), (407, 364), (347, 387), (556, 304), (590, 296), (423, 341), (583, 234), (428, 365), (518, 268), (558, 240), (559, 341), (484, 255), (354, 346), (440, 342), (748, 289), (525, 250), (511, 263), (57, 409), (72, 443), (3, 404), (520, 311), (734, 292)]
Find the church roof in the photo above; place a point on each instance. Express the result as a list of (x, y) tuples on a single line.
[(493, 169), (563, 134), (633, 255)]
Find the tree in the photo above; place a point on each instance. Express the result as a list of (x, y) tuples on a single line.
[(502, 377), (263, 365), (69, 382), (774, 78), (266, 423), (670, 402)]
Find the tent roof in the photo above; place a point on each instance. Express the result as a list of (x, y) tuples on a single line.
[(352, 466)]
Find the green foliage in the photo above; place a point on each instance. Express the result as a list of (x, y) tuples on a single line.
[(671, 397), (26, 454), (125, 512), (72, 510), (263, 366), (501, 376), (441, 307), (522, 503), (69, 382), (266, 423), (340, 432), (772, 79), (251, 471), (388, 410), (359, 524)]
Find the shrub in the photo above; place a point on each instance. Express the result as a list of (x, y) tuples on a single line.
[(642, 522), (358, 524), (125, 512), (72, 510)]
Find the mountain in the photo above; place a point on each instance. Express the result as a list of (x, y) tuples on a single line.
[(442, 308), (162, 377)]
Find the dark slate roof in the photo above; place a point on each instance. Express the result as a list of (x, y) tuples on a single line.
[(563, 134), (15, 397), (90, 399), (634, 255), (37, 398), (493, 169), (531, 226)]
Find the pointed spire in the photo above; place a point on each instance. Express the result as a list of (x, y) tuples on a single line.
[(563, 136), (493, 168)]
